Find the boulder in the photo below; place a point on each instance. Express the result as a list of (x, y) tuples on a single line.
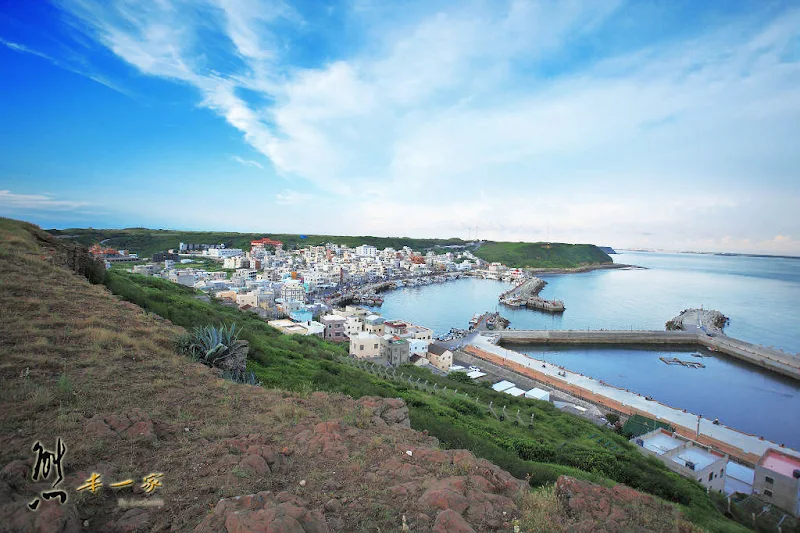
[(449, 521), (265, 512)]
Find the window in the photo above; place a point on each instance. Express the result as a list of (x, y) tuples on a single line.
[(768, 493), (362, 348), (710, 476), (722, 472), (769, 480), (375, 346)]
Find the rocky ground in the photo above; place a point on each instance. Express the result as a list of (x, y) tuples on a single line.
[(103, 375)]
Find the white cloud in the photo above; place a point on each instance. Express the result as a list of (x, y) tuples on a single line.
[(288, 197), (661, 144), (96, 77), (247, 162), (43, 201)]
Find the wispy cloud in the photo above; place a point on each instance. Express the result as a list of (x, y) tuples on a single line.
[(517, 97), (65, 65), (288, 197), (38, 202), (247, 162)]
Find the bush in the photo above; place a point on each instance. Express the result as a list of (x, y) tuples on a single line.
[(209, 345)]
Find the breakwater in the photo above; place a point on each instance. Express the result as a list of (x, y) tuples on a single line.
[(765, 357), (743, 446)]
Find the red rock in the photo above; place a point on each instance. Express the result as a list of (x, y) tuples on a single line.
[(449, 521), (444, 499), (50, 517), (254, 464), (96, 427), (263, 512), (133, 520)]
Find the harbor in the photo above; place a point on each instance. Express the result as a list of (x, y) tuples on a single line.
[(612, 306), (771, 359), (745, 447), (526, 294)]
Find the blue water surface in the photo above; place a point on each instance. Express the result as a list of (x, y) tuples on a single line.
[(760, 295)]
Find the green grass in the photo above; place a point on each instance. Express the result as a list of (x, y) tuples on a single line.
[(538, 255), (542, 255), (557, 444)]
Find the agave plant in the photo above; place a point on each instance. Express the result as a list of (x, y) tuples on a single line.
[(209, 345)]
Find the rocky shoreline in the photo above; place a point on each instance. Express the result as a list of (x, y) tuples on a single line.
[(691, 319)]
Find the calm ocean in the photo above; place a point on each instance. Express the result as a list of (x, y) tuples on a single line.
[(760, 295)]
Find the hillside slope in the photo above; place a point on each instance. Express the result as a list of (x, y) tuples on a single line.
[(536, 255), (102, 375), (542, 255)]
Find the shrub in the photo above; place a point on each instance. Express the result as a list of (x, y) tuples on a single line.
[(209, 345)]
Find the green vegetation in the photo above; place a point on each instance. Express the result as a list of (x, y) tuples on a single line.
[(535, 255), (555, 443), (542, 255), (209, 345)]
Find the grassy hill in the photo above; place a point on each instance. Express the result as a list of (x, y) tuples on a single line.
[(542, 255), (79, 363), (538, 255)]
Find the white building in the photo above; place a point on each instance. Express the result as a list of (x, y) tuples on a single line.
[(365, 250), (293, 291), (225, 252)]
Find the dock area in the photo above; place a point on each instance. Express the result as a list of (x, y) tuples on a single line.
[(766, 357), (526, 294), (742, 446)]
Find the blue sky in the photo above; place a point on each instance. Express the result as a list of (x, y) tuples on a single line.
[(634, 124)]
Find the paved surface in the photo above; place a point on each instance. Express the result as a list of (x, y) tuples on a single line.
[(744, 446)]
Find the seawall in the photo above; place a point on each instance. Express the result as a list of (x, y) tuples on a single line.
[(768, 358), (744, 447)]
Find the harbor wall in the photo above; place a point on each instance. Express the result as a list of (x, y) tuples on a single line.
[(762, 356), (747, 456)]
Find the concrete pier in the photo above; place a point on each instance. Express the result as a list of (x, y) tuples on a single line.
[(768, 358), (742, 446)]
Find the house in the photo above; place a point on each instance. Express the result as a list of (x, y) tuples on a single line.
[(419, 332), (685, 457), (418, 347), (374, 324), (293, 291), (365, 345), (777, 480), (440, 357), (290, 327), (394, 350), (395, 327), (417, 360), (301, 315), (334, 328)]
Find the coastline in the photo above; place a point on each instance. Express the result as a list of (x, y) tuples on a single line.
[(743, 446), (585, 268)]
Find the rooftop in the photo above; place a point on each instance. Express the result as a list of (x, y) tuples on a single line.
[(779, 462), (661, 442), (502, 385), (437, 349), (698, 456)]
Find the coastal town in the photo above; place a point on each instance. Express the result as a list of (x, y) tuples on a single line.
[(311, 290), (316, 290)]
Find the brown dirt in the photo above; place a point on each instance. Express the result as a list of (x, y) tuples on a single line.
[(102, 374)]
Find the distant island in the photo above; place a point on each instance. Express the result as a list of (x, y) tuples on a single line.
[(146, 242)]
